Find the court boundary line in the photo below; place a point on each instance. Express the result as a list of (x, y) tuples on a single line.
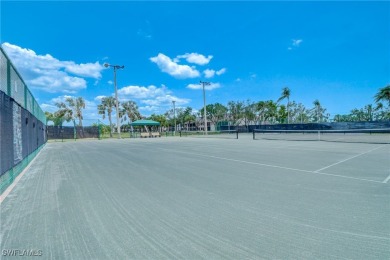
[(4, 195), (347, 159), (275, 166)]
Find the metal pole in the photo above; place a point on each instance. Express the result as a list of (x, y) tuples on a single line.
[(204, 105), (204, 110), (174, 116), (117, 106)]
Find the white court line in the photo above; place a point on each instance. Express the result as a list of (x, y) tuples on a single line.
[(326, 167), (274, 166), (17, 179), (387, 179)]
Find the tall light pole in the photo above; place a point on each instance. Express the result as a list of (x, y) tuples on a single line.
[(174, 116), (116, 96), (203, 83)]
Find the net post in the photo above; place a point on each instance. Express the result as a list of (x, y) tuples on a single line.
[(253, 134), (237, 134)]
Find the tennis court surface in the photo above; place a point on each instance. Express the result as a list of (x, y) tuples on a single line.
[(202, 198)]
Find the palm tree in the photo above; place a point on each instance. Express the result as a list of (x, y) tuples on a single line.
[(286, 94), (270, 111), (317, 106), (106, 106), (383, 95), (77, 105), (130, 109), (261, 108), (64, 112), (53, 117)]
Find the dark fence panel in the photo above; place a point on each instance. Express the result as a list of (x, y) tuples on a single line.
[(68, 132), (20, 133), (312, 126), (6, 131), (25, 132)]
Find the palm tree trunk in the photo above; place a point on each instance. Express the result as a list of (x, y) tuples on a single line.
[(109, 119), (288, 110)]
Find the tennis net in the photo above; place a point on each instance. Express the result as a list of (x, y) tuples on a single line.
[(227, 134), (380, 136)]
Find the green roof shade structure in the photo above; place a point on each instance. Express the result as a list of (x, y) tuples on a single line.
[(145, 122)]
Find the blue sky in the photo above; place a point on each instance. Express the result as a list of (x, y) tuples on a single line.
[(337, 52)]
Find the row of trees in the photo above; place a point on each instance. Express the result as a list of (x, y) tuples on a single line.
[(272, 112), (128, 111), (379, 112), (72, 110), (234, 113), (246, 113)]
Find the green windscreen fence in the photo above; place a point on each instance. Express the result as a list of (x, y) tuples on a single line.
[(22, 123)]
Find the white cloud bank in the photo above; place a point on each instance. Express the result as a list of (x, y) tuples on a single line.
[(172, 68), (195, 58), (153, 97), (208, 87), (208, 73), (49, 74)]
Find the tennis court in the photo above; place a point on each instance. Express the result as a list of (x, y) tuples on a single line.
[(202, 198)]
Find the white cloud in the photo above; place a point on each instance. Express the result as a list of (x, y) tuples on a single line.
[(195, 58), (166, 99), (151, 95), (149, 108), (57, 81), (59, 99), (99, 98), (297, 42), (50, 74), (221, 71), (48, 107), (209, 73), (208, 87), (172, 68), (140, 92), (91, 70)]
